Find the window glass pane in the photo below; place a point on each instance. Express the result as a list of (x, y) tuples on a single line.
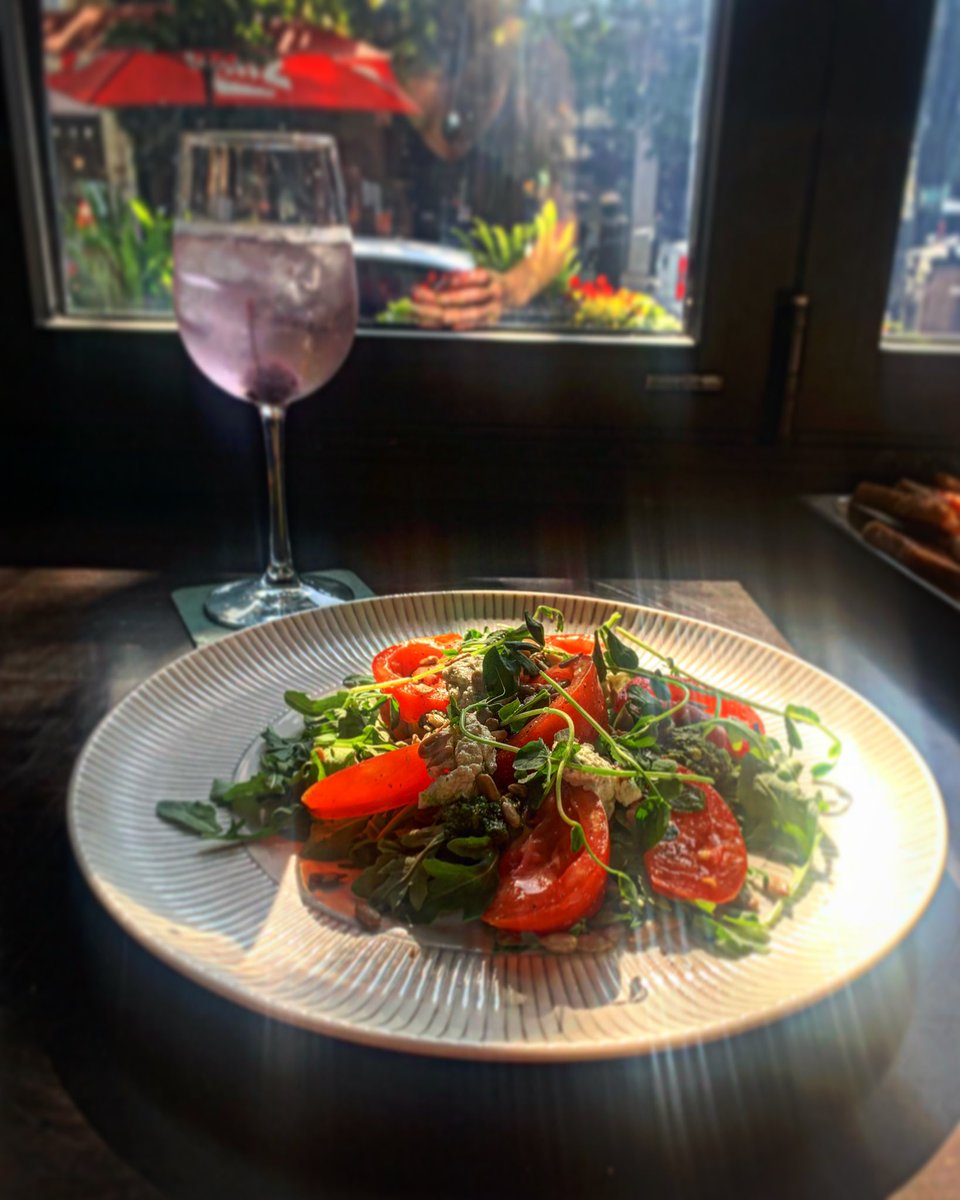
[(546, 146), (924, 297)]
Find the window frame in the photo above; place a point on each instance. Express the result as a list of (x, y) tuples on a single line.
[(858, 385), (761, 102)]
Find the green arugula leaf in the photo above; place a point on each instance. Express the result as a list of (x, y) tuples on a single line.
[(469, 847), (332, 841), (732, 935), (199, 817), (302, 703), (780, 815), (458, 873), (464, 889), (334, 758), (195, 816), (419, 891)]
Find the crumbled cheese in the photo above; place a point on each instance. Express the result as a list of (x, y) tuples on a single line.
[(464, 680), (609, 788), (461, 781), (476, 754), (471, 759)]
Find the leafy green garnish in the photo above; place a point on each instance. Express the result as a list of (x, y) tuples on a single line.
[(338, 731), (619, 656), (202, 818), (730, 933), (300, 702), (780, 815), (196, 816), (534, 628), (538, 762), (419, 865), (446, 875)]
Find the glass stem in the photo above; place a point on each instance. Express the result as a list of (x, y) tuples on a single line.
[(280, 570)]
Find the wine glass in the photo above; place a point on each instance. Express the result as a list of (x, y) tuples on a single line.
[(266, 300)]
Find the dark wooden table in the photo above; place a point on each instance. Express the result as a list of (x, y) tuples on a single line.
[(119, 1079)]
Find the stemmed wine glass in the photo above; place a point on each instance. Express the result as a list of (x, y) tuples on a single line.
[(266, 300)]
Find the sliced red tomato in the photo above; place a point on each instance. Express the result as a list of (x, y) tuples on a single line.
[(736, 709), (390, 780), (707, 860), (571, 643), (544, 886), (579, 677), (704, 701), (417, 697)]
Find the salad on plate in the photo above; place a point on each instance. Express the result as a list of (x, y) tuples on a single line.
[(563, 788)]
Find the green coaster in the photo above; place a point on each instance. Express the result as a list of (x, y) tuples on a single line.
[(202, 630)]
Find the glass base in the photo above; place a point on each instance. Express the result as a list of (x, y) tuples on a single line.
[(253, 601)]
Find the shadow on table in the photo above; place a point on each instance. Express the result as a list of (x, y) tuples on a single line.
[(207, 1099)]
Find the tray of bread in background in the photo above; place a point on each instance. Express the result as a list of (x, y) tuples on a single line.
[(914, 525)]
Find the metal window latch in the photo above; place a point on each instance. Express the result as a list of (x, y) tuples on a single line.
[(684, 383), (799, 312)]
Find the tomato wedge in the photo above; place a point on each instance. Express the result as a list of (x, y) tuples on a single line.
[(544, 886), (416, 698), (579, 677), (699, 706), (377, 784), (571, 643), (736, 709), (707, 860)]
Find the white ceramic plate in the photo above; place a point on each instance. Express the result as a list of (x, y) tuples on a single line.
[(220, 918)]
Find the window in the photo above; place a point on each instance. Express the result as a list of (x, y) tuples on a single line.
[(880, 361), (676, 139), (554, 143), (924, 297)]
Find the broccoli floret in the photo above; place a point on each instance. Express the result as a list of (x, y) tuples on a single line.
[(474, 816), (692, 750)]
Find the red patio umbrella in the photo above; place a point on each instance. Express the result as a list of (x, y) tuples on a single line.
[(127, 78), (130, 78)]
